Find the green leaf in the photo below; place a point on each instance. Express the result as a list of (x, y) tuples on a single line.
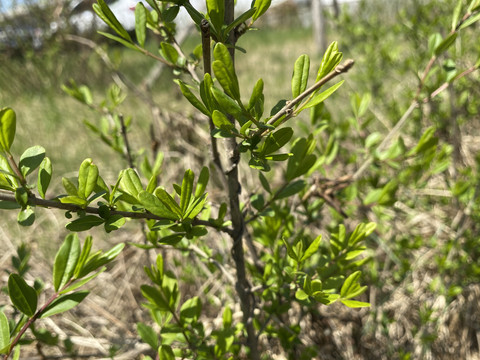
[(21, 196), (290, 251), (148, 335), (73, 200), (98, 260), (155, 206), (187, 189), (66, 261), (44, 176), (221, 121), (168, 201), (302, 159), (130, 183), (7, 180), (291, 189), (456, 14), (471, 20), (120, 40), (202, 182), (206, 93), (87, 178), (171, 13), (84, 223), (226, 103), (64, 303), (190, 310), (330, 60), (196, 207), (300, 75), (87, 246), (360, 104), (276, 140), (261, 7), (23, 296), (355, 303), (165, 352), (16, 353), (264, 182), (228, 82), (278, 157), (4, 333), (104, 12), (426, 141), (474, 6), (258, 163), (239, 20), (26, 216), (351, 287), (257, 100), (78, 283), (196, 16), (140, 23), (169, 52), (192, 98), (312, 248), (31, 159), (225, 71), (321, 97), (433, 41), (70, 187), (445, 44), (301, 295), (114, 222), (216, 12), (227, 317), (153, 295), (8, 123)]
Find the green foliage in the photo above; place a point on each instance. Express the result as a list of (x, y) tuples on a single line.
[(306, 222), (71, 266)]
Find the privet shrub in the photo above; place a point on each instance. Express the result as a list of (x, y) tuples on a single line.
[(282, 267)]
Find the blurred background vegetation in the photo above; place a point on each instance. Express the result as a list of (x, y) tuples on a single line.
[(424, 271)]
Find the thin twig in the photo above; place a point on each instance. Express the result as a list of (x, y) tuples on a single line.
[(242, 286), (33, 200), (287, 110)]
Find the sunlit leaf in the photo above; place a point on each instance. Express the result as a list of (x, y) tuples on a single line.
[(4, 333), (261, 7), (26, 216), (104, 12), (148, 335), (140, 23), (64, 303), (8, 122), (300, 75), (87, 178), (66, 261), (31, 159)]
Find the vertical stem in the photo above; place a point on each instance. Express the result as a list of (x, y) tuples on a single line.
[(234, 189), (128, 152)]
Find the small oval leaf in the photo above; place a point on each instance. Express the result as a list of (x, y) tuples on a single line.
[(23, 296)]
